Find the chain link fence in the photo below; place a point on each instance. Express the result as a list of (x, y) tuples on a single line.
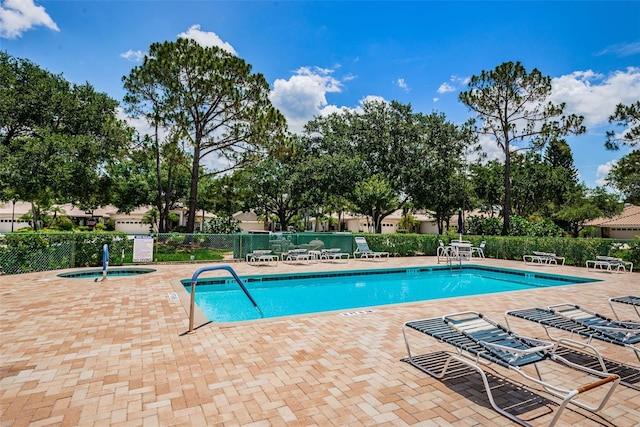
[(30, 252)]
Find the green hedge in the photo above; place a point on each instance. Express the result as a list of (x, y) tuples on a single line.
[(576, 251)]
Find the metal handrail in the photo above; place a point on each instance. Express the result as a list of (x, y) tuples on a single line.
[(105, 263), (194, 282)]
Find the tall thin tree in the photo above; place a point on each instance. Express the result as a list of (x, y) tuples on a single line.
[(513, 106), (211, 100)]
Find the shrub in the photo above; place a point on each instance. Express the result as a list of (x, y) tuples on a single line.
[(492, 226), (62, 223), (545, 228), (519, 226), (220, 225)]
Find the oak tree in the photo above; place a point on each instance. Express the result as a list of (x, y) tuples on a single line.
[(55, 137)]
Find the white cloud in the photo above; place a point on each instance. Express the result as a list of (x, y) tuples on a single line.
[(436, 100), (140, 124), (489, 148), (133, 55), (207, 39), (453, 86), (621, 49), (446, 87), (603, 171), (595, 96), (18, 16), (369, 98), (460, 80), (402, 84), (303, 95)]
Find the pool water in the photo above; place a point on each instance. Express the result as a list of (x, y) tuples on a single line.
[(111, 272), (222, 300)]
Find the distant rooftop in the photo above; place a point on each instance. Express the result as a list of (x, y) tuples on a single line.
[(630, 217)]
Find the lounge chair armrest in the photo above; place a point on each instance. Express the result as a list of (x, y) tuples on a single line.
[(633, 327), (598, 383), (520, 352)]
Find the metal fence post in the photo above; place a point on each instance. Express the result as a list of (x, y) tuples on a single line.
[(72, 260)]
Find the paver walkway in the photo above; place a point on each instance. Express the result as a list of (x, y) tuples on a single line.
[(114, 353)]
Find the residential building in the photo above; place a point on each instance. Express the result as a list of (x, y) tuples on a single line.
[(623, 226)]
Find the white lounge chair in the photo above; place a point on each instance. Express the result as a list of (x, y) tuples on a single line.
[(298, 255), (261, 257), (608, 263), (364, 251), (545, 258), (334, 254)]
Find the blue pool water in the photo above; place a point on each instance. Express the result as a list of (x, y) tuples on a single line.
[(222, 300), (111, 272)]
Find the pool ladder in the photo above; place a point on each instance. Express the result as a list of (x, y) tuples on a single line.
[(449, 257), (194, 282)]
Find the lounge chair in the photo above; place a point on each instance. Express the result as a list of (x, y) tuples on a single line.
[(608, 263), (362, 249), (334, 254), (261, 257), (297, 255), (545, 258), (631, 300), (581, 322), (479, 340)]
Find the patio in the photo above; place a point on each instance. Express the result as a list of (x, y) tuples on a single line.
[(77, 352)]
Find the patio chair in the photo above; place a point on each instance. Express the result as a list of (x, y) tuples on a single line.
[(362, 249), (578, 321), (479, 250), (608, 263), (631, 300), (478, 341)]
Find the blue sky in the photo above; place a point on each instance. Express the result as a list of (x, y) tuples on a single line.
[(320, 57)]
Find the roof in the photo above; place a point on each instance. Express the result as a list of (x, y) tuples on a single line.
[(8, 209), (630, 217)]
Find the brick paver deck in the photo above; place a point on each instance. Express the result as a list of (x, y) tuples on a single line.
[(77, 352)]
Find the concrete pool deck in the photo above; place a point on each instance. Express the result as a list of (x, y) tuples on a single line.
[(78, 352)]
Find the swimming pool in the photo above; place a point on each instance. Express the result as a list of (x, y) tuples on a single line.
[(222, 300), (111, 272)]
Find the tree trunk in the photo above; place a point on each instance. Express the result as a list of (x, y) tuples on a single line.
[(161, 223), (506, 209), (193, 191), (282, 216)]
